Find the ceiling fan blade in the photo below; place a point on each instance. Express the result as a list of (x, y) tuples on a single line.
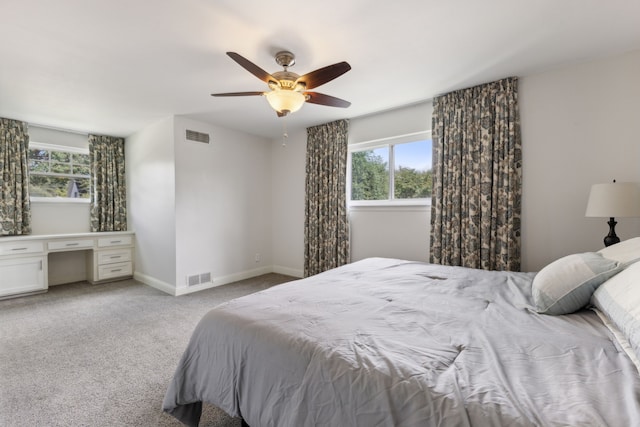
[(322, 99), (323, 75), (252, 68), (238, 94)]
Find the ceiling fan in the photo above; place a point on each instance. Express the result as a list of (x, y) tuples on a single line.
[(288, 90)]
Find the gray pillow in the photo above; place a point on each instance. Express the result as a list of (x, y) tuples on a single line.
[(566, 285)]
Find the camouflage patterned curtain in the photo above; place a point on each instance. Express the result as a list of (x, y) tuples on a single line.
[(15, 208), (326, 230), (108, 192), (477, 157)]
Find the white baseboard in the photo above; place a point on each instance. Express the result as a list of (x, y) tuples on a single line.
[(217, 281), (155, 283), (184, 290), (287, 271), (243, 275)]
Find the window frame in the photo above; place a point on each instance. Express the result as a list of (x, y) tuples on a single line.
[(379, 143), (59, 148)]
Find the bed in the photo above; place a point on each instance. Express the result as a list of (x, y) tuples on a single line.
[(387, 342)]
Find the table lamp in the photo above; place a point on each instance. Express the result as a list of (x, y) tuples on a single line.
[(613, 200)]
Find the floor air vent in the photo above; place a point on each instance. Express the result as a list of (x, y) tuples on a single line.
[(194, 136)]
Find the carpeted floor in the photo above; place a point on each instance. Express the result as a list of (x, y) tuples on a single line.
[(101, 355)]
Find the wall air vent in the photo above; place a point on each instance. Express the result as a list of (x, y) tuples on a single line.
[(192, 135), (198, 279), (193, 280)]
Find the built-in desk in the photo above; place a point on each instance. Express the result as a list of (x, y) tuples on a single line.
[(24, 259)]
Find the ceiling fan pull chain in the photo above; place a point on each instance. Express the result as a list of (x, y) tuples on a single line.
[(285, 135)]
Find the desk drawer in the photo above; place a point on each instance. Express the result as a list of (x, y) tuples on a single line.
[(111, 271), (17, 248), (116, 255), (114, 241), (70, 244)]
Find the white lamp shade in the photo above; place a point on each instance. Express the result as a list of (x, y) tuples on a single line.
[(283, 100), (614, 200)]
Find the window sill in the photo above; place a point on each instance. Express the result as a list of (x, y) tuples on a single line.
[(386, 205)]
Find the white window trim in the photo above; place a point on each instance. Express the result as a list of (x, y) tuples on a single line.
[(378, 143), (389, 202), (389, 208), (73, 201), (56, 147)]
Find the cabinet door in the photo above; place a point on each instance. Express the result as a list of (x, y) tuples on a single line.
[(22, 275)]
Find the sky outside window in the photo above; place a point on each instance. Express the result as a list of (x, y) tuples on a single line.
[(415, 155)]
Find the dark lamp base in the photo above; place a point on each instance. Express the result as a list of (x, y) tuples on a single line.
[(611, 238)]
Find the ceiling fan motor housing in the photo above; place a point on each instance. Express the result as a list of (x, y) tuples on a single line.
[(287, 80), (285, 59)]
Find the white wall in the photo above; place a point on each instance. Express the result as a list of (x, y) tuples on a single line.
[(150, 174), (59, 217), (389, 231), (409, 119), (58, 137), (579, 127), (287, 182), (223, 204)]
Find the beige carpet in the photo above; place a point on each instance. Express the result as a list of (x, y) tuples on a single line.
[(101, 355)]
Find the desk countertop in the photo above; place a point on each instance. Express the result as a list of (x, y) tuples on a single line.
[(63, 235)]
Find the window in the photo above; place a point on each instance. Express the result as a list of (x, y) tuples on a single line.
[(58, 172), (395, 170)]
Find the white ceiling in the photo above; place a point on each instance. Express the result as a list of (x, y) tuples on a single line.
[(116, 66)]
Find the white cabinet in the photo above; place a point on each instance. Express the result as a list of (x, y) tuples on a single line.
[(21, 275), (112, 259), (24, 260), (23, 265)]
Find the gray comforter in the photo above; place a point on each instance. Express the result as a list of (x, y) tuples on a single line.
[(385, 342)]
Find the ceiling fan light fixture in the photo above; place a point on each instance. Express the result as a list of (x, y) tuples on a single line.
[(285, 101)]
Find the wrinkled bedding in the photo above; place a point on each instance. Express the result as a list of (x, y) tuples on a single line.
[(384, 342)]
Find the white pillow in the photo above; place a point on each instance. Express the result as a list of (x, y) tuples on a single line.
[(566, 285), (626, 252), (619, 299)]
